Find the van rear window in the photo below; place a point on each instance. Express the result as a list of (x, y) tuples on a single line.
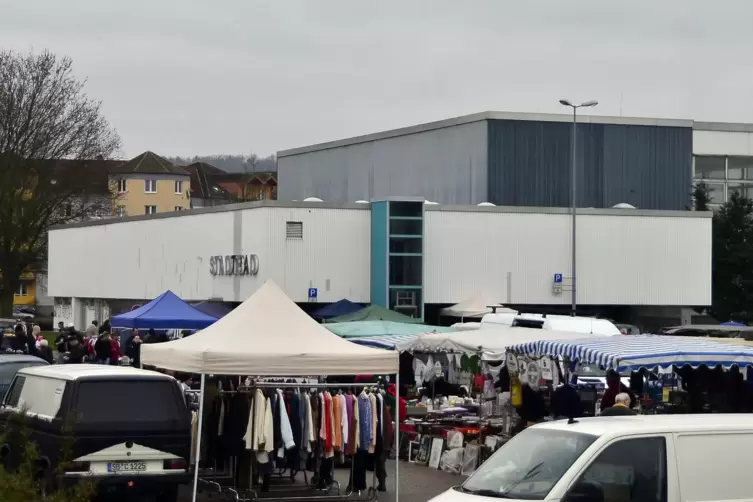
[(129, 402)]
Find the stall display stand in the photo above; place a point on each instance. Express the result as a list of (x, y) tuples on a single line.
[(371, 491)]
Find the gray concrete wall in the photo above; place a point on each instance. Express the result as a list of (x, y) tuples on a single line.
[(446, 165)]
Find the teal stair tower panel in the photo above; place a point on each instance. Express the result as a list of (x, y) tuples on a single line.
[(405, 265), (380, 227)]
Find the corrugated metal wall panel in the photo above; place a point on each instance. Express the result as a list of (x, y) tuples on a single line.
[(141, 259), (622, 260), (443, 165), (649, 167)]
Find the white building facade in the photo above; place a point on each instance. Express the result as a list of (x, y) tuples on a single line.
[(378, 253)]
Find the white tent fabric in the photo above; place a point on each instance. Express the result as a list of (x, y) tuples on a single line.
[(475, 306), (268, 335), (492, 343)]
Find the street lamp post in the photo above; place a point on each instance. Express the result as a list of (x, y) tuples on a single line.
[(573, 188)]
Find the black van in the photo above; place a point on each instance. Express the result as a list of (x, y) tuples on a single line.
[(131, 429)]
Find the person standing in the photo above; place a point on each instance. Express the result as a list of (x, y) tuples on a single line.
[(92, 331), (45, 352), (102, 348), (115, 352), (621, 407)]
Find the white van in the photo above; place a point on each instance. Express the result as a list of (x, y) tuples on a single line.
[(589, 325), (657, 458)]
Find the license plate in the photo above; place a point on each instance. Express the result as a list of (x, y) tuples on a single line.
[(126, 467)]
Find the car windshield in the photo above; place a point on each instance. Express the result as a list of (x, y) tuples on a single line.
[(529, 465)]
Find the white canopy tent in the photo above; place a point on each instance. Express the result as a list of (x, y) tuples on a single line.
[(476, 306), (491, 343), (267, 335)]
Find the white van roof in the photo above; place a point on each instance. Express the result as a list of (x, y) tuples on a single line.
[(651, 424), (72, 372)]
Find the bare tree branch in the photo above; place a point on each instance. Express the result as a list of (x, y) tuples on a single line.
[(51, 135)]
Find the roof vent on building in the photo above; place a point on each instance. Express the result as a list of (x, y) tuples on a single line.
[(486, 204), (362, 202), (428, 202), (623, 205), (312, 199)]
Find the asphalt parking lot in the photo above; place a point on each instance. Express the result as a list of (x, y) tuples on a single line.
[(417, 484)]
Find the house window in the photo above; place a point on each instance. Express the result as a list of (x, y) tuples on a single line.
[(23, 289), (150, 209), (121, 186), (120, 211), (294, 230), (723, 176), (150, 186), (179, 208), (68, 210), (179, 187)]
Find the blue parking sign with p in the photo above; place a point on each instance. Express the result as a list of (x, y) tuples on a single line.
[(313, 293), (558, 278)]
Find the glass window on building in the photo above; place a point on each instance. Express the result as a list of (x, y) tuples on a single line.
[(710, 168), (724, 176)]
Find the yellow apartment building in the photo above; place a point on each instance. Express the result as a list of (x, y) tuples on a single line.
[(149, 184)]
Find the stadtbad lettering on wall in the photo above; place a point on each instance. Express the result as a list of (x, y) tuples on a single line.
[(234, 264)]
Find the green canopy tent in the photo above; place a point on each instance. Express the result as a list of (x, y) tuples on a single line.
[(375, 313)]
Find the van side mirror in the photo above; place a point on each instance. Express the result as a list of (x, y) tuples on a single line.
[(584, 491)]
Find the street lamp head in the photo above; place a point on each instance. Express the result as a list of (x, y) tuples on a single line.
[(565, 102), (593, 102)]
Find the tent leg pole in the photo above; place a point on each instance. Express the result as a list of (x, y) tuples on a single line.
[(397, 436), (197, 454)]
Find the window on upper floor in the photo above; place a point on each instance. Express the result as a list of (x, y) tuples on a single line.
[(179, 187), (150, 186), (150, 209), (723, 176), (121, 185), (23, 289)]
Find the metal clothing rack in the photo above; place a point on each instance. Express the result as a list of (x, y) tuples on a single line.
[(244, 389)]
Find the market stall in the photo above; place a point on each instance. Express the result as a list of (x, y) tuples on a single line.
[(339, 308), (667, 374), (376, 313), (267, 335), (367, 329), (214, 309), (475, 307)]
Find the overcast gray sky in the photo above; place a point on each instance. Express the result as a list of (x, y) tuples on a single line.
[(191, 77)]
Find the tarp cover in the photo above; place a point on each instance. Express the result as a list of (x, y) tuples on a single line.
[(633, 352), (214, 309), (376, 313), (476, 306), (167, 311), (268, 335), (492, 342), (361, 329), (342, 307)]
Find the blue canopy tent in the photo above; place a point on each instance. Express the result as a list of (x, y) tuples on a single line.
[(631, 353), (388, 342), (342, 307), (214, 309), (732, 323), (167, 311)]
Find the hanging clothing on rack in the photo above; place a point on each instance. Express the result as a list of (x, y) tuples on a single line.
[(364, 420), (343, 420), (337, 442), (372, 399), (285, 430)]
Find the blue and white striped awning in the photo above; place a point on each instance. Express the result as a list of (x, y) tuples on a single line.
[(386, 341), (633, 352)]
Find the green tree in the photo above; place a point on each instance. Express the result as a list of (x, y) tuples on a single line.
[(732, 260), (50, 132), (701, 196), (30, 482)]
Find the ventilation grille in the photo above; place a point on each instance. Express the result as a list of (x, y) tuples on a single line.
[(294, 230)]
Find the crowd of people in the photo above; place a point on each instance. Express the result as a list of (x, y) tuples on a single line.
[(99, 344)]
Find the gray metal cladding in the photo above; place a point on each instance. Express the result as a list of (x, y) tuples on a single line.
[(649, 167)]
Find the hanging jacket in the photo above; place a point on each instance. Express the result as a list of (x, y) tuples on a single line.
[(337, 440), (285, 431), (327, 422), (310, 426), (343, 420), (364, 420), (373, 432)]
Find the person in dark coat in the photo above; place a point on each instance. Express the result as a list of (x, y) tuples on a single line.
[(102, 349), (621, 407), (133, 350), (614, 387), (45, 352), (76, 351)]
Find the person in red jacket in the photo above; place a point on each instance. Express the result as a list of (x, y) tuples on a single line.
[(115, 352), (402, 405)]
